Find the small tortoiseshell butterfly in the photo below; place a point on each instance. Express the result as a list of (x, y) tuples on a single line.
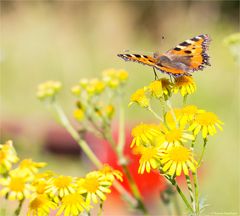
[(185, 58)]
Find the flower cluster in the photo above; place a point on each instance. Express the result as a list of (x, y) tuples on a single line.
[(163, 89), (96, 97), (48, 89), (168, 146), (47, 191)]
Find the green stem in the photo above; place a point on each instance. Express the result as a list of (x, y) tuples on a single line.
[(203, 151), (172, 112), (189, 185), (18, 210), (155, 114), (121, 128), (174, 183), (67, 125), (195, 180), (184, 100), (123, 163)]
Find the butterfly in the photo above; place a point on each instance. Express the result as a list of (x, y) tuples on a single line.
[(187, 57)]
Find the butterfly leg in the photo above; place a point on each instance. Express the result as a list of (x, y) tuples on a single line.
[(155, 74)]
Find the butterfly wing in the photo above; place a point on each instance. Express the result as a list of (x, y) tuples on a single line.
[(143, 59), (153, 62), (186, 57), (192, 53)]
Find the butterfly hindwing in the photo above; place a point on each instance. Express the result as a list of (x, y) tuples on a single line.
[(194, 50)]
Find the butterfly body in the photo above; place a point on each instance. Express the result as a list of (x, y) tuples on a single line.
[(185, 58)]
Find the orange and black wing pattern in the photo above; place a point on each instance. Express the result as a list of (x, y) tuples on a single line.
[(189, 56), (143, 59), (153, 62), (195, 50)]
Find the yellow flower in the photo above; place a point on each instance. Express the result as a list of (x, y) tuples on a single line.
[(94, 185), (150, 159), (184, 84), (8, 156), (48, 89), (17, 186), (110, 110), (40, 205), (175, 137), (145, 134), (188, 114), (166, 87), (73, 205), (61, 186), (176, 159), (29, 167), (140, 98), (172, 118), (110, 173), (111, 78), (97, 85), (79, 114), (122, 75), (155, 88), (76, 90), (207, 122)]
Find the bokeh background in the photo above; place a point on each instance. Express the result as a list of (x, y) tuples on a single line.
[(70, 40)]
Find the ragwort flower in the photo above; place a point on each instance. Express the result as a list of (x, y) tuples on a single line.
[(29, 167), (150, 159), (40, 205), (176, 159), (16, 186), (207, 122), (140, 98), (73, 205), (94, 185), (175, 137), (61, 186), (110, 173), (184, 84), (145, 134), (155, 89)]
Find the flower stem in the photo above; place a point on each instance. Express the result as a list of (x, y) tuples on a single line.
[(155, 114), (174, 183), (134, 201), (18, 210), (195, 180), (172, 112), (203, 151), (189, 185), (65, 122), (121, 128), (123, 163)]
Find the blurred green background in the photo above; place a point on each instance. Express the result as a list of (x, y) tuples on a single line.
[(70, 40)]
